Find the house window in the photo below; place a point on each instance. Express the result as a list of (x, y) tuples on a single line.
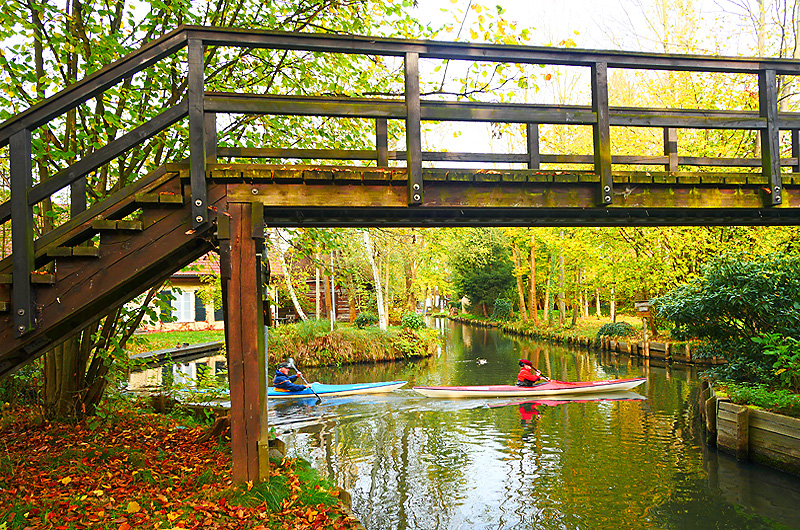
[(183, 306)]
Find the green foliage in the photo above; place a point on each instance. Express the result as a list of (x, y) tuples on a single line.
[(481, 266), (785, 352), (617, 329), (23, 386), (778, 401), (502, 309), (735, 300), (412, 321), (366, 318)]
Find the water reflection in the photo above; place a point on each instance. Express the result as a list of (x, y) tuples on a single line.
[(412, 462)]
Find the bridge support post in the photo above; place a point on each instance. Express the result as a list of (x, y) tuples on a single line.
[(240, 246), (770, 137), (413, 130), (602, 132)]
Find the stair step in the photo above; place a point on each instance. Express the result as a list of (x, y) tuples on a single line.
[(109, 224), (36, 277), (159, 198), (77, 252)]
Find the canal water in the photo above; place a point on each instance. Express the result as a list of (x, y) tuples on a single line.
[(633, 461)]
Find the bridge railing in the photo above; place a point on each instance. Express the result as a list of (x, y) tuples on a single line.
[(201, 107)]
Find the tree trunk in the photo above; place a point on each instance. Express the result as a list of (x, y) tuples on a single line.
[(376, 278), (534, 311), (597, 303), (523, 313), (561, 284), (613, 305), (287, 277), (317, 300)]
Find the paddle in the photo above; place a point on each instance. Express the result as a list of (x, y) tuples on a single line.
[(290, 362), (541, 375)]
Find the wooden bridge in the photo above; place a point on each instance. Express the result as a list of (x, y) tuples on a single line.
[(137, 237)]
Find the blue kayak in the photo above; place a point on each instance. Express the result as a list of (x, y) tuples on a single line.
[(338, 390)]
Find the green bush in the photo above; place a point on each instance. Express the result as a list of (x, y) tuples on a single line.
[(367, 318), (785, 352), (738, 298), (502, 309), (412, 321), (617, 329), (778, 401)]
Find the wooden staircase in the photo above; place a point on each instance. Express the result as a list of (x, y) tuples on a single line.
[(103, 258)]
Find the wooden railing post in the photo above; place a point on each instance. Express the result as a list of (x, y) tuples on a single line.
[(770, 136), (602, 132), (413, 130), (197, 141), (382, 141), (671, 149), (796, 150), (21, 231), (532, 136), (210, 126)]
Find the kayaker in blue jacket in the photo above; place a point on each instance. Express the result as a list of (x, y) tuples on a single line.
[(285, 382)]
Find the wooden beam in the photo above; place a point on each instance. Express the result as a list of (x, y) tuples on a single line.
[(197, 127), (532, 137), (21, 167), (601, 132), (413, 129), (770, 137), (210, 132), (671, 149), (796, 150), (245, 340), (382, 141)]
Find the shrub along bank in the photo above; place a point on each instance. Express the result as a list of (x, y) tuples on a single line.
[(312, 343)]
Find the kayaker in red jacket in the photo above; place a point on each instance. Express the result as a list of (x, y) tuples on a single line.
[(528, 375)]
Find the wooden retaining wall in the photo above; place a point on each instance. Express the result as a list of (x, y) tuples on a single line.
[(751, 434), (666, 351)]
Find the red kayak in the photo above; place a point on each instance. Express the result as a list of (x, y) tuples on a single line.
[(549, 388)]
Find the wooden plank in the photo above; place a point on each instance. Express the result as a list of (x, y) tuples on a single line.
[(22, 246), (777, 423), (532, 139), (765, 441), (601, 132), (413, 132), (197, 128), (671, 148), (382, 142), (770, 136)]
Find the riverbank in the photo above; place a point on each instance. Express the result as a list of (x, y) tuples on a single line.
[(312, 343), (131, 468), (585, 336)]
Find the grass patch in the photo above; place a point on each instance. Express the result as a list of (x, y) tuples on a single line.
[(169, 339)]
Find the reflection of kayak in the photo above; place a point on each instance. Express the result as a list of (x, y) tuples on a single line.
[(338, 390), (622, 395), (550, 388)]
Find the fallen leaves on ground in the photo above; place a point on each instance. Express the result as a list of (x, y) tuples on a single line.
[(141, 471)]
